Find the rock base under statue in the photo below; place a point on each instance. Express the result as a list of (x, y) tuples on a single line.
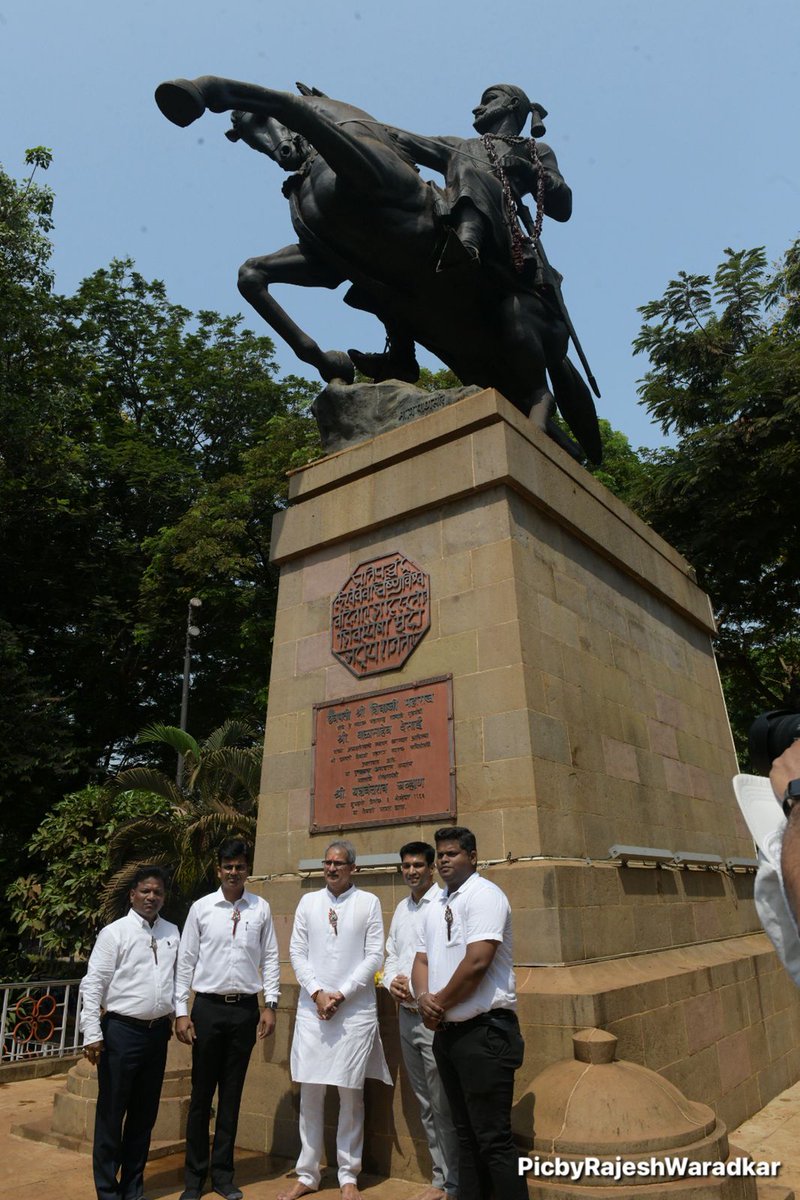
[(350, 413)]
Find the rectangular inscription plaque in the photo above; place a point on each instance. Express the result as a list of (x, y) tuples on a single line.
[(384, 758)]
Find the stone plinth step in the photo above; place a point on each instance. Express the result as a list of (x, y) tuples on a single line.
[(41, 1131)]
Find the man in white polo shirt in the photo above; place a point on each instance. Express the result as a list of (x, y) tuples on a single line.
[(463, 978), (416, 1040)]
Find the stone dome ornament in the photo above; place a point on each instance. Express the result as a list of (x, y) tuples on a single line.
[(597, 1115)]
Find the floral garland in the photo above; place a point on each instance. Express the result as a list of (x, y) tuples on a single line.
[(518, 238)]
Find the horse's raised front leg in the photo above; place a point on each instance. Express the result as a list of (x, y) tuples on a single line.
[(293, 265), (362, 161), (184, 100)]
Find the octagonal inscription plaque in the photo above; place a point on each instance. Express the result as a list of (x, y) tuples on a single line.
[(380, 615)]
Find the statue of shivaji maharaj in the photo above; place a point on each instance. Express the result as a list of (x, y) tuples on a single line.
[(457, 268)]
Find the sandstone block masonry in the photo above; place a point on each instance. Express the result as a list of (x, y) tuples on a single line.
[(587, 712)]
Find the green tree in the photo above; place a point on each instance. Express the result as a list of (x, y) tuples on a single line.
[(219, 549), (724, 379), (623, 470), (39, 758), (122, 416), (143, 452), (218, 800), (54, 907)]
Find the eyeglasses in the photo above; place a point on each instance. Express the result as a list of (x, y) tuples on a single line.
[(335, 862)]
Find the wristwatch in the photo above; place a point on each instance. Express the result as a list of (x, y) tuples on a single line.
[(273, 1004), (791, 795)]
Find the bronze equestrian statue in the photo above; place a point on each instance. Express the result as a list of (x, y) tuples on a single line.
[(449, 269)]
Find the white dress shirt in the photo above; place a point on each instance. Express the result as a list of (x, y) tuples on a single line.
[(403, 940), (338, 956), (222, 956), (131, 972), (480, 913)]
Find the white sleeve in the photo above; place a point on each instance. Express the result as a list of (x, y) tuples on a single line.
[(486, 916), (373, 950), (100, 972), (390, 967), (299, 951), (188, 952), (270, 959)]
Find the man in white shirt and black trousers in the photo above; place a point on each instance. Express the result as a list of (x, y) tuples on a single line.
[(416, 1039), (463, 979), (228, 955), (131, 975)]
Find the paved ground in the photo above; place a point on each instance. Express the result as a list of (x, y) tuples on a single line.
[(45, 1172), (773, 1135)]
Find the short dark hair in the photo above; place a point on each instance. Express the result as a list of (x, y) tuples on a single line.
[(419, 848), (149, 872), (457, 833), (232, 848)]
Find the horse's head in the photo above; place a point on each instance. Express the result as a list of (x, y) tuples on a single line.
[(267, 135)]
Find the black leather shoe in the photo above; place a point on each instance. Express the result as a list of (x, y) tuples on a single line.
[(229, 1192), (189, 1194)]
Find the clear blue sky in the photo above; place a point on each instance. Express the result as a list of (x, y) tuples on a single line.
[(676, 125)]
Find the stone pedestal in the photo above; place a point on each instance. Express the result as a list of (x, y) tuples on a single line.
[(587, 713), (71, 1124)]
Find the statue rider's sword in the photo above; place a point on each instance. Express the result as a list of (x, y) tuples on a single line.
[(553, 280)]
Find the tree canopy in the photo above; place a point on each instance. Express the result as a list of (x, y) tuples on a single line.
[(724, 379), (53, 901), (181, 831), (143, 454)]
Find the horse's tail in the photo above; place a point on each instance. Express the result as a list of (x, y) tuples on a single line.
[(576, 406)]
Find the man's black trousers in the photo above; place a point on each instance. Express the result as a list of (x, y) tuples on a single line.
[(477, 1060), (129, 1077), (225, 1036)]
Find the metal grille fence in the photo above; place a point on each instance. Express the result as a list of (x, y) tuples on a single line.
[(39, 1019)]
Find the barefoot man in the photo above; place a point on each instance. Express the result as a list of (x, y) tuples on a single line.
[(336, 948)]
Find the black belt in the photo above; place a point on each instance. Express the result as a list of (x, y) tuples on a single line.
[(501, 1017), (228, 997), (139, 1022)]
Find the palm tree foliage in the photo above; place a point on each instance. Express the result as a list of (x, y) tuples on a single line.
[(218, 800)]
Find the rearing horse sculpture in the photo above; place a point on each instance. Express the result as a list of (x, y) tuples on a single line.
[(363, 214)]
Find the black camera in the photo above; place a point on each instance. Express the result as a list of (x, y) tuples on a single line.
[(770, 734)]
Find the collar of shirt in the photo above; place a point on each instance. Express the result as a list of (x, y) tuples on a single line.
[(245, 900), (433, 893), (344, 895), (448, 895), (143, 923)]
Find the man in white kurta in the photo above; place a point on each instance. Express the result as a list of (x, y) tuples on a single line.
[(336, 948)]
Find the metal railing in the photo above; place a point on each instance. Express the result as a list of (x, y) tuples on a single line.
[(39, 1019)]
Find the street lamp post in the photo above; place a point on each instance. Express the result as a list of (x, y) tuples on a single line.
[(191, 632)]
